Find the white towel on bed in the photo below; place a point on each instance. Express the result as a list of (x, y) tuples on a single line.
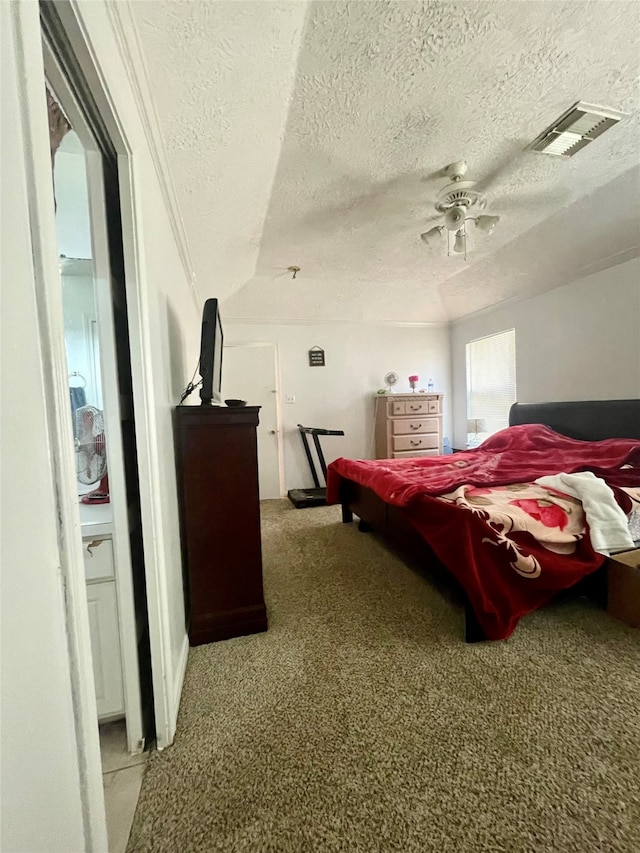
[(608, 524)]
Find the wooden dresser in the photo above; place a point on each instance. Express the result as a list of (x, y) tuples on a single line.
[(408, 425), (220, 521)]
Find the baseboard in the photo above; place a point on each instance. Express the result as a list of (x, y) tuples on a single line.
[(181, 670)]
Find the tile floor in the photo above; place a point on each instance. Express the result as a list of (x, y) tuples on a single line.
[(122, 778)]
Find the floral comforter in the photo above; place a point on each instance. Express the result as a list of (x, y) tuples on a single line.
[(511, 543)]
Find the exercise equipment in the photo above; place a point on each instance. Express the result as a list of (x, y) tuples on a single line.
[(305, 498)]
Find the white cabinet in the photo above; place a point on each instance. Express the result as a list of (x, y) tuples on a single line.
[(103, 624)]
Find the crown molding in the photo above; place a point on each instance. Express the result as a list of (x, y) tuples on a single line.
[(126, 35), (401, 324), (599, 265)]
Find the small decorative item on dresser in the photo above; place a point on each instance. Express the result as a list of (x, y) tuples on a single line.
[(413, 381)]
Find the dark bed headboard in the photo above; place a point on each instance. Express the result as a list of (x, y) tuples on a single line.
[(590, 420)]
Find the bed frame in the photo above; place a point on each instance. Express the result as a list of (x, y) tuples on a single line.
[(586, 420)]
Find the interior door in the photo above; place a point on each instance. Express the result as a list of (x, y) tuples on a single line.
[(249, 372)]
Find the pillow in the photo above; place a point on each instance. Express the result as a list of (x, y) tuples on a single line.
[(524, 437)]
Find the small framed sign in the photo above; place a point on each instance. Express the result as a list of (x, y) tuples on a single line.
[(316, 357)]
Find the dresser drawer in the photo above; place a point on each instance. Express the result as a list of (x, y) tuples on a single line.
[(396, 407), (414, 425), (407, 454), (417, 407), (416, 442)]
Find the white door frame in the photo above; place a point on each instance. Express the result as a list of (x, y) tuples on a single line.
[(279, 430), (166, 688), (37, 162), (111, 395), (49, 307)]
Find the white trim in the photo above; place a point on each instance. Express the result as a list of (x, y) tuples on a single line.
[(117, 484), (280, 423), (142, 361), (279, 412), (126, 33), (403, 324), (49, 307), (182, 668), (606, 263), (107, 370)]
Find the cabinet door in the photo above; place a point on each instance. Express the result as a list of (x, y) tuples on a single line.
[(98, 558), (105, 647)]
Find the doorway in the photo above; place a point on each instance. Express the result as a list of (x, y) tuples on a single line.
[(250, 372), (97, 397), (108, 500)]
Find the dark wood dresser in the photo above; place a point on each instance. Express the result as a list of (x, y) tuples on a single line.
[(220, 521)]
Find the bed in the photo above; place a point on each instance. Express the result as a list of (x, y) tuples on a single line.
[(506, 543)]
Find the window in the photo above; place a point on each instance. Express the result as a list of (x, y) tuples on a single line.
[(491, 384)]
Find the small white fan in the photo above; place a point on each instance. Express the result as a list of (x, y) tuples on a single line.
[(390, 380), (91, 453)]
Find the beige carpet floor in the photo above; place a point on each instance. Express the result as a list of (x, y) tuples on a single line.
[(362, 722)]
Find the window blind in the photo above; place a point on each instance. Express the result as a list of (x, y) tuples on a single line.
[(491, 379)]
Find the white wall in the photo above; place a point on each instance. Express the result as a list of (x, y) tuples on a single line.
[(40, 785), (341, 395), (41, 804), (578, 342)]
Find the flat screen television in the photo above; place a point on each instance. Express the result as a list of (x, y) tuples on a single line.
[(211, 355)]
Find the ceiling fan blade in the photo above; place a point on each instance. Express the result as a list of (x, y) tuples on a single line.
[(434, 176), (505, 164), (524, 200)]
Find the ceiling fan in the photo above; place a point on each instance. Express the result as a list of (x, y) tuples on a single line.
[(454, 205)]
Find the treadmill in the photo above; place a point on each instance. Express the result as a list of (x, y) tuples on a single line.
[(305, 498)]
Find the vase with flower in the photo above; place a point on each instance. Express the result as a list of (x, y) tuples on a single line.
[(413, 381)]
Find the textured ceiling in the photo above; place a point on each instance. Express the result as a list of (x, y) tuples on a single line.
[(309, 134)]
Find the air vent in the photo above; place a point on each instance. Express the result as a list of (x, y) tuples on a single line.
[(579, 126)]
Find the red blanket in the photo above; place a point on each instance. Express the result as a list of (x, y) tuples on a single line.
[(505, 570)]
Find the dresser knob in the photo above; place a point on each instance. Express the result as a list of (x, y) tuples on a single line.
[(415, 426), (416, 443)]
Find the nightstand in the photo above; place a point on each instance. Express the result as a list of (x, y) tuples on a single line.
[(623, 579)]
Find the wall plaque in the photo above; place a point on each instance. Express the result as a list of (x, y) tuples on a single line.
[(316, 357)]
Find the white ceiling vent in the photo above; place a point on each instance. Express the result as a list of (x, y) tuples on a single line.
[(579, 126)]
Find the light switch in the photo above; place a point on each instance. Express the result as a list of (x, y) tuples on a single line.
[(289, 398)]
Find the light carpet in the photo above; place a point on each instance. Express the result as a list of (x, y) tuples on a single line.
[(362, 722)]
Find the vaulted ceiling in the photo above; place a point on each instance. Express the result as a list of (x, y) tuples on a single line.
[(315, 135)]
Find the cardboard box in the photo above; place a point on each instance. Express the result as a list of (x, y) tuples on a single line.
[(623, 581)]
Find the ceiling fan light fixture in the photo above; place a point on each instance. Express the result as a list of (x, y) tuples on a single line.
[(487, 223), (460, 243), (432, 234), (455, 217)]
